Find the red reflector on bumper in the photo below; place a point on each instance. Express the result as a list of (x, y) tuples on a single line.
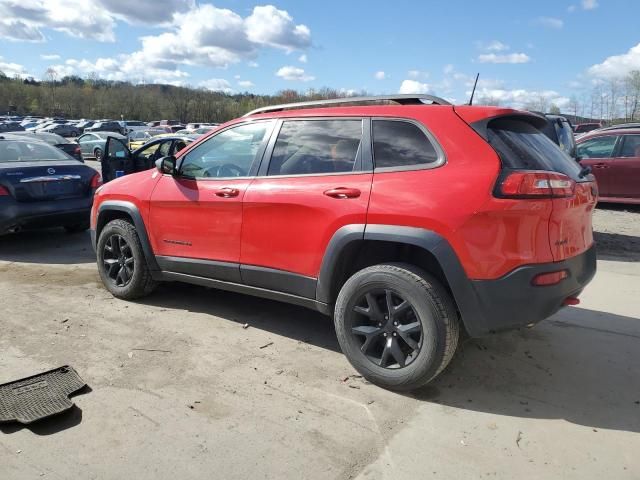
[(551, 278), (571, 301)]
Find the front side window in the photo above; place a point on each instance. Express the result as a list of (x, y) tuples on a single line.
[(231, 153), (630, 146), (306, 147), (401, 144), (601, 147)]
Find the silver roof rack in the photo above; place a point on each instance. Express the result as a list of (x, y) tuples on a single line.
[(405, 99)]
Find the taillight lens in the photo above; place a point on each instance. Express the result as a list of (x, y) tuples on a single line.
[(77, 150), (535, 184), (550, 278), (96, 181), (4, 192)]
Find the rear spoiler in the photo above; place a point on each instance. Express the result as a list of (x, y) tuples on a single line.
[(479, 122)]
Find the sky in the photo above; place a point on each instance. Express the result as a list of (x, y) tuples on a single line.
[(554, 48)]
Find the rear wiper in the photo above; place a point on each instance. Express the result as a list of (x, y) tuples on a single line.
[(584, 172)]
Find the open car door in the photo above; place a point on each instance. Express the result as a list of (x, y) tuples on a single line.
[(117, 160)]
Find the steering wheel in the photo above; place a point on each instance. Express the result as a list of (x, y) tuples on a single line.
[(230, 170)]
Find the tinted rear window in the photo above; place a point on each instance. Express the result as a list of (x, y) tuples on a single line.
[(521, 146), (19, 151)]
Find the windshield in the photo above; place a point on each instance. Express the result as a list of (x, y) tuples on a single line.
[(21, 151), (521, 146)]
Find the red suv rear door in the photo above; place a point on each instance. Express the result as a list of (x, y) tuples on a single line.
[(626, 169), (317, 180)]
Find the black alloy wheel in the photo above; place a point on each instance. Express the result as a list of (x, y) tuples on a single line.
[(387, 329), (118, 261)]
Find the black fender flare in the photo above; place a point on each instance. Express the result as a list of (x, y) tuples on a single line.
[(132, 210), (461, 286)]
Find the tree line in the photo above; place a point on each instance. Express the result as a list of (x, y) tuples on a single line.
[(93, 98), (613, 101)]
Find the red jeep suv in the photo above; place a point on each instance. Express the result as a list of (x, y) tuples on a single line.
[(403, 220)]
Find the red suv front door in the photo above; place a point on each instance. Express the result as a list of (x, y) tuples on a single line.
[(598, 154), (313, 184), (197, 214)]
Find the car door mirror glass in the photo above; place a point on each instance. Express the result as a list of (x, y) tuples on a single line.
[(167, 165)]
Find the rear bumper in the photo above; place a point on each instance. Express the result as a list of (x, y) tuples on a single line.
[(512, 301), (53, 213)]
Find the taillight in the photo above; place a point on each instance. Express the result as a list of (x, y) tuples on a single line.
[(77, 150), (4, 192), (535, 184), (96, 181), (550, 278)]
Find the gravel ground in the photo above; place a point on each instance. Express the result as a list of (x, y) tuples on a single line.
[(180, 389)]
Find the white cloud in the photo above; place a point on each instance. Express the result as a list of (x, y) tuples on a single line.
[(413, 86), (294, 74), (303, 58), (216, 85), (150, 12), (269, 26), (12, 69), (617, 66), (52, 56), (448, 69), (19, 31), (77, 18), (379, 75), (253, 64), (496, 46), (589, 4), (550, 22), (246, 83), (507, 58), (520, 98)]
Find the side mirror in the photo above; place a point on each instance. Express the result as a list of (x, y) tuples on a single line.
[(167, 165)]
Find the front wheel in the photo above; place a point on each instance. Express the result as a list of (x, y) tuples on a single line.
[(98, 154), (397, 325), (121, 261)]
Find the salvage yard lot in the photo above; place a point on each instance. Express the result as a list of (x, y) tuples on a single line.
[(180, 389)]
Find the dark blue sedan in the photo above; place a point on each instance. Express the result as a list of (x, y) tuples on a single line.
[(41, 186)]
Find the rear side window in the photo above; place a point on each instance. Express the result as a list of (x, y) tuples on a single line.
[(306, 147), (630, 146), (401, 144), (521, 146), (601, 147)]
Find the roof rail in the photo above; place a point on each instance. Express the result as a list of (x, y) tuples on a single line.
[(405, 99)]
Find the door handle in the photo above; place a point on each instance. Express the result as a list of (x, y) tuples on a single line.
[(342, 192), (601, 165), (227, 192)]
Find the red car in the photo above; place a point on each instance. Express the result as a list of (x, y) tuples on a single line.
[(582, 128), (405, 222), (614, 157)]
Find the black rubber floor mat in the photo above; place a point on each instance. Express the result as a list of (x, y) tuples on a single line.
[(39, 396)]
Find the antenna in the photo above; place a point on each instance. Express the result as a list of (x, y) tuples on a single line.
[(475, 84)]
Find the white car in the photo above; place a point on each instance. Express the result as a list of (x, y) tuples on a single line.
[(129, 126)]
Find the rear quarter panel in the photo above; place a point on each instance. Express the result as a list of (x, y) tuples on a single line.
[(491, 236)]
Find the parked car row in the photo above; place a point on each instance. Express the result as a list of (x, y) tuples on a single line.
[(74, 128)]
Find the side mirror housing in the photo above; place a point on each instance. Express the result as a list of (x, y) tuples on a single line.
[(167, 165)]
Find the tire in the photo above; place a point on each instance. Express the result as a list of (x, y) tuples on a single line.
[(77, 227), (98, 154), (427, 330), (138, 282)]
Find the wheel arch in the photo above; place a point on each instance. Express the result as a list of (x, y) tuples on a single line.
[(119, 209), (354, 247)]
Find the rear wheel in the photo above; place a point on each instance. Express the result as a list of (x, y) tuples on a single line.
[(121, 261), (397, 325)]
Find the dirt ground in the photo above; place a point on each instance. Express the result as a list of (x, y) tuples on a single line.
[(179, 389)]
